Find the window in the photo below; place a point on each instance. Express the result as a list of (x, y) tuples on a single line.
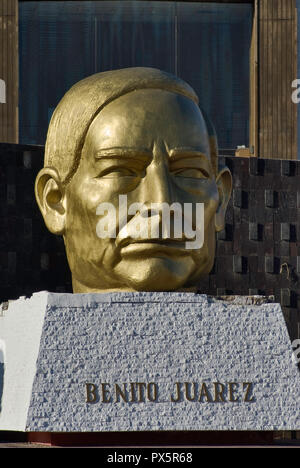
[(206, 44)]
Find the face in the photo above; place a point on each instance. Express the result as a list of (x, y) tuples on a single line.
[(151, 147)]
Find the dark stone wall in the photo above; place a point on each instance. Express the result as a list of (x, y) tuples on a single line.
[(31, 259), (258, 253)]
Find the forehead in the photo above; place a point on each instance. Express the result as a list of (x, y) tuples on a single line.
[(144, 117)]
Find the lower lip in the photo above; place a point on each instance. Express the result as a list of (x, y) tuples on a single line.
[(145, 248)]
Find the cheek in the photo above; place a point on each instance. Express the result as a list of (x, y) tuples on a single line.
[(211, 202), (82, 202), (85, 196), (209, 212)]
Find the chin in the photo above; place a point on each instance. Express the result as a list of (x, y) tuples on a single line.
[(156, 274)]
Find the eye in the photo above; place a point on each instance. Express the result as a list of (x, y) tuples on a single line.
[(194, 173), (112, 172)]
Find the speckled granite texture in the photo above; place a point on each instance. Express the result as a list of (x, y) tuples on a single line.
[(156, 361)]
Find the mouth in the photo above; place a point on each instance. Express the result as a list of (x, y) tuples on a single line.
[(161, 247)]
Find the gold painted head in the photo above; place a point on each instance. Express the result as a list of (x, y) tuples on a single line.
[(129, 159)]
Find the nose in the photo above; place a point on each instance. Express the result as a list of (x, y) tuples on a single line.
[(157, 185)]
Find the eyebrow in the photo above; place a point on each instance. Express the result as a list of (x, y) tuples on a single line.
[(184, 153), (121, 152)]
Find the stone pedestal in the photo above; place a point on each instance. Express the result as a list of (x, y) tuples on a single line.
[(146, 362)]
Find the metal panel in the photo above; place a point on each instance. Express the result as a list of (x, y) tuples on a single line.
[(277, 70), (62, 42), (9, 70)]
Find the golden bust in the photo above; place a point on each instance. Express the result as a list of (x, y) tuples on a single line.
[(122, 146)]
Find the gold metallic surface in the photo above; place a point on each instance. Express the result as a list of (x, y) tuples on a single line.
[(137, 132)]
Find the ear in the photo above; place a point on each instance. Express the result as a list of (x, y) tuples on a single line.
[(224, 184), (50, 197)]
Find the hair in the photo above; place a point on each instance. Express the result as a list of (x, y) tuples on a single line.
[(83, 102)]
